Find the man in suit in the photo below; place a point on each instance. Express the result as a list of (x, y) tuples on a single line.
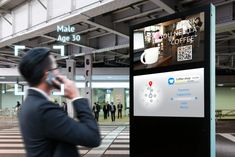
[(108, 108), (105, 110), (46, 129), (119, 106), (112, 110), (17, 107), (96, 110)]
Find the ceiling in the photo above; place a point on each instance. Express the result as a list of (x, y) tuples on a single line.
[(7, 5), (98, 36)]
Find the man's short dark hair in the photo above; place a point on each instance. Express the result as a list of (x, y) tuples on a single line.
[(34, 64)]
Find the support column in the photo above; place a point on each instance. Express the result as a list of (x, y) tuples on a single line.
[(88, 73), (71, 69), (70, 73)]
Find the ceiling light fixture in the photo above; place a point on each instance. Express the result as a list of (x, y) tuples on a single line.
[(220, 84)]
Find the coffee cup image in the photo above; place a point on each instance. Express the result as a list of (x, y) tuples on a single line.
[(150, 55)]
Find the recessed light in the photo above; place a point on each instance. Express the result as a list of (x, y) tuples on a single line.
[(220, 84), (109, 77)]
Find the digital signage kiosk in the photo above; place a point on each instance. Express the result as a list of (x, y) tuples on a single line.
[(172, 85)]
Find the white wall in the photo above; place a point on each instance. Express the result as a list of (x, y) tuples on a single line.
[(119, 96)]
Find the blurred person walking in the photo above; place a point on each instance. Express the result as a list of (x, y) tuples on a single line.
[(108, 107), (17, 107), (96, 110), (119, 107), (113, 111), (105, 110)]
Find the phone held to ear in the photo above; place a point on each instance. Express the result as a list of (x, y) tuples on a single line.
[(50, 79)]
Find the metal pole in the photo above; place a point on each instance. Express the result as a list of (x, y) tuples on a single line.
[(71, 73), (88, 73)]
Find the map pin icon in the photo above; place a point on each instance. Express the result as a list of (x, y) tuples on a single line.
[(150, 83)]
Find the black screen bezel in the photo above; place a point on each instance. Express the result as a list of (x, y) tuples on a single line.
[(184, 127)]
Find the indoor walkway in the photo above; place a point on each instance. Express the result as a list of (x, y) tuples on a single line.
[(225, 144), (225, 138), (115, 143)]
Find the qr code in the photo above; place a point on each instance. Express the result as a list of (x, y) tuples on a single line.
[(184, 53)]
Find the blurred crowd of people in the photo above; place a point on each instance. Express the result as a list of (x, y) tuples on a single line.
[(109, 109)]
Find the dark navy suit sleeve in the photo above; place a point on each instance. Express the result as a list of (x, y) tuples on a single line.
[(60, 127)]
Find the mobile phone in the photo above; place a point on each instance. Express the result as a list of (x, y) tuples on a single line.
[(50, 79)]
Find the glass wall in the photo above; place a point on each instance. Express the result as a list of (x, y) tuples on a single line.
[(115, 95), (102, 95), (8, 99), (224, 98)]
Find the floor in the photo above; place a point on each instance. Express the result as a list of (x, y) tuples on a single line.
[(115, 143), (225, 138)]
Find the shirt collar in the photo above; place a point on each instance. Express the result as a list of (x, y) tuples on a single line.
[(41, 91)]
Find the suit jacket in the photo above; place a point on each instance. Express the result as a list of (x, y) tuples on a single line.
[(48, 132), (119, 106), (114, 108)]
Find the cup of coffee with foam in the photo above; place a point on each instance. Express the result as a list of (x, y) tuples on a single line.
[(150, 55)]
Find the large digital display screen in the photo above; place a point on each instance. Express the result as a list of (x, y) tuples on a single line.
[(172, 42), (172, 80), (170, 94)]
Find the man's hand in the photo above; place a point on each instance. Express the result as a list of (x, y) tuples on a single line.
[(70, 89)]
